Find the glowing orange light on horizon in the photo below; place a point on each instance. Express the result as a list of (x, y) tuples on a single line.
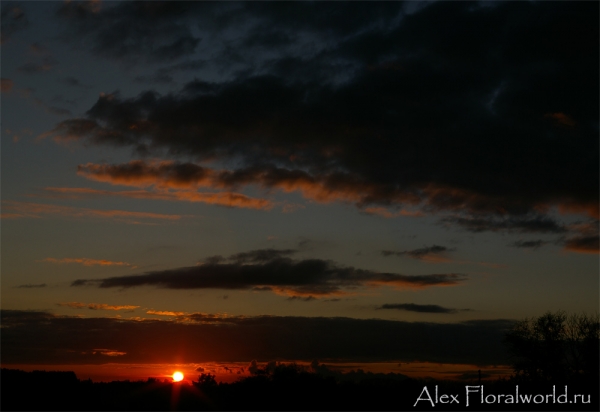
[(177, 376)]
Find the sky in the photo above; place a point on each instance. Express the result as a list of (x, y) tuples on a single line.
[(191, 182)]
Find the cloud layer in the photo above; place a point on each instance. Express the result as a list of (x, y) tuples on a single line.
[(271, 269), (87, 261), (433, 253), (97, 306), (43, 338), (413, 307), (392, 109)]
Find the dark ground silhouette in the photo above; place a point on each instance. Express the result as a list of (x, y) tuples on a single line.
[(283, 387)]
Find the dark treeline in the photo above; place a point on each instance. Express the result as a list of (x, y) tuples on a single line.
[(282, 387)]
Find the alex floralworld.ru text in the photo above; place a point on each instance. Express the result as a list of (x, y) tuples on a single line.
[(436, 397)]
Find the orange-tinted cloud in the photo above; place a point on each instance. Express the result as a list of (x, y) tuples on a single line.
[(139, 173), (437, 254), (222, 199), (108, 352), (165, 313), (586, 240), (172, 175), (192, 317), (17, 135), (37, 210), (227, 199), (87, 262), (583, 244), (97, 306), (372, 198), (592, 209), (76, 129), (12, 215)]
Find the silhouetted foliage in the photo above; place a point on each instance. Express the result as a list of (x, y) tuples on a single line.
[(274, 387), (206, 380), (556, 347)]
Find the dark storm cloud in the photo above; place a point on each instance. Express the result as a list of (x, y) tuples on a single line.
[(424, 253), (413, 307), (130, 30), (13, 19), (44, 338), (238, 37), (529, 244), (420, 111), (272, 270)]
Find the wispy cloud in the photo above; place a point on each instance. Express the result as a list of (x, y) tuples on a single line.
[(437, 254), (15, 210), (108, 352), (165, 313), (534, 223), (228, 199), (529, 244), (32, 286), (88, 262), (585, 239), (6, 85), (97, 306), (561, 119), (433, 253), (175, 175), (13, 19), (384, 212), (413, 307), (46, 64), (195, 317), (583, 244)]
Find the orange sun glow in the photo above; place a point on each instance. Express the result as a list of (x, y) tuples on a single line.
[(177, 376)]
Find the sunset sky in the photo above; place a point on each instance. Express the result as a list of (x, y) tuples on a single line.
[(356, 182)]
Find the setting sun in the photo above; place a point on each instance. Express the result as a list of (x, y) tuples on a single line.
[(177, 376)]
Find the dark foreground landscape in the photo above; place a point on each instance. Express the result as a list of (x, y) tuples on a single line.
[(555, 361), (289, 387)]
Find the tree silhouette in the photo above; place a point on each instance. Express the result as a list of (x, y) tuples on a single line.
[(555, 347), (206, 380)]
